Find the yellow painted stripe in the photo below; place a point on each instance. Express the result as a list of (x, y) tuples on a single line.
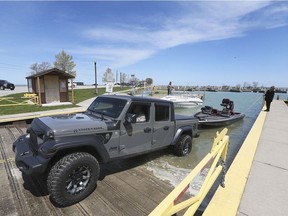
[(226, 200)]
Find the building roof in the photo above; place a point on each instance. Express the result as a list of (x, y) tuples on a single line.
[(51, 71)]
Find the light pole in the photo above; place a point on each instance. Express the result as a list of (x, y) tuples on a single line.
[(96, 89)]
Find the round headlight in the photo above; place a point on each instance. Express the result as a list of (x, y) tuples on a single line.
[(50, 134)]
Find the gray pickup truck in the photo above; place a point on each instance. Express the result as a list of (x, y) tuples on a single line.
[(68, 148)]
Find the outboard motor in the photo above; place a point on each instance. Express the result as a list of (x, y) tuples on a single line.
[(228, 106)]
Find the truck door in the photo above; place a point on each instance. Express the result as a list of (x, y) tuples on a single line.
[(136, 137), (163, 130)]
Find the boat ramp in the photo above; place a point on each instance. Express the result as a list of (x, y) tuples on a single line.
[(255, 184), (125, 187)]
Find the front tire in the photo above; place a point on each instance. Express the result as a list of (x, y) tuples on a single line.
[(184, 146), (73, 178)]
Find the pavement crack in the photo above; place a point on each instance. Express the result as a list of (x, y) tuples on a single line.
[(242, 213), (269, 164)]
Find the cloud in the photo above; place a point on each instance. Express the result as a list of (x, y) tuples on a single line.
[(118, 56), (196, 22)]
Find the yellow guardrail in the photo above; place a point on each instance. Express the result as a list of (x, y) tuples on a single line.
[(33, 98), (226, 201), (214, 161)]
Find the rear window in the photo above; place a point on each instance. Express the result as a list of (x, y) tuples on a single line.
[(161, 112)]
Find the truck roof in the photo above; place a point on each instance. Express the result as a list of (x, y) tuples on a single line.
[(137, 98)]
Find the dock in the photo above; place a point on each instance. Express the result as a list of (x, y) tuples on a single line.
[(257, 180)]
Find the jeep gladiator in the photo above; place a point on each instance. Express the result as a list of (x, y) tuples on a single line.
[(67, 149)]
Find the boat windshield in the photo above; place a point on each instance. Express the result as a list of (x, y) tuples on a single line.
[(110, 107)]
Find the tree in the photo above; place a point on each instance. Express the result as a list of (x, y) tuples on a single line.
[(36, 67), (255, 84), (65, 62), (123, 77), (246, 85)]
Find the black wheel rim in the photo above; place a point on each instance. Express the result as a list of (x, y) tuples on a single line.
[(185, 148), (78, 180)]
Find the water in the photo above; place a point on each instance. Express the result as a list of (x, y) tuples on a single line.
[(174, 169), (248, 103)]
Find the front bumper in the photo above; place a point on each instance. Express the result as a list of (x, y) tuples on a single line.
[(26, 160)]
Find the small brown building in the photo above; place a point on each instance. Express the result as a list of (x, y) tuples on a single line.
[(53, 85)]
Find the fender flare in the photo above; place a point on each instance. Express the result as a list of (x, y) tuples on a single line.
[(94, 144), (182, 130)]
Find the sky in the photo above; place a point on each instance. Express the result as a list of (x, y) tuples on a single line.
[(190, 43)]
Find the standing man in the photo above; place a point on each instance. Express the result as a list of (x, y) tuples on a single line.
[(269, 95), (169, 88)]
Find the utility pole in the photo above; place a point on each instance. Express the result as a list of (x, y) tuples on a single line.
[(96, 88)]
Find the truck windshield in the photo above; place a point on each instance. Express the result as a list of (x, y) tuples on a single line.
[(110, 107)]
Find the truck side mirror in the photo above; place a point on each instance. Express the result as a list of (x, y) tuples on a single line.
[(130, 118)]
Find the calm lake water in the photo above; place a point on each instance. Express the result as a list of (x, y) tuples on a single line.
[(174, 169)]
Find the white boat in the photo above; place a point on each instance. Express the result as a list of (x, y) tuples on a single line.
[(184, 101)]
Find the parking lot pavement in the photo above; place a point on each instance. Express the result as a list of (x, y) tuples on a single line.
[(18, 89)]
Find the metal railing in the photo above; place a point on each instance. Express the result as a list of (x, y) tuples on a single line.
[(214, 161)]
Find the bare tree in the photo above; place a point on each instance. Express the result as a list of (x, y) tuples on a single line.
[(246, 85), (255, 84), (123, 77), (65, 62), (36, 67)]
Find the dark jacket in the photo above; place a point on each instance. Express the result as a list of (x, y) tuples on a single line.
[(269, 95)]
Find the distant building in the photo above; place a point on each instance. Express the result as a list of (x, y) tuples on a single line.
[(53, 85), (79, 83)]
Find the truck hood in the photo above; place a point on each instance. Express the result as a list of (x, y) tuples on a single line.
[(75, 124)]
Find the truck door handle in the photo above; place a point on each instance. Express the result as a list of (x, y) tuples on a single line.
[(147, 130), (166, 127)]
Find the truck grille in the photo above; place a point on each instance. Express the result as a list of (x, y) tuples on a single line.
[(33, 141)]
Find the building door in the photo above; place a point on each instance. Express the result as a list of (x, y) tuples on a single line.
[(52, 91)]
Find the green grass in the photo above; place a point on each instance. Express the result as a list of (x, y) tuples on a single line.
[(84, 94), (79, 96)]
